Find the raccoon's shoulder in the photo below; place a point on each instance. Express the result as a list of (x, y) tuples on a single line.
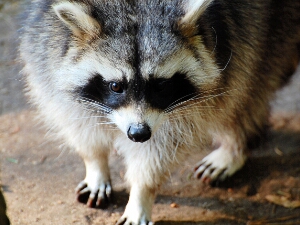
[(258, 24), (226, 23)]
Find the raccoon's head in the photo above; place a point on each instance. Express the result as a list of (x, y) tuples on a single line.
[(135, 61)]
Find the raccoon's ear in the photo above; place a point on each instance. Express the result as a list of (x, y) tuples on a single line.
[(193, 9), (76, 16)]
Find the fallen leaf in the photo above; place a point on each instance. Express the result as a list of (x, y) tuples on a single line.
[(283, 201), (12, 160), (278, 151), (174, 205)]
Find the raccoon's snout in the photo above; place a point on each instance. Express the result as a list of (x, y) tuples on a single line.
[(140, 132)]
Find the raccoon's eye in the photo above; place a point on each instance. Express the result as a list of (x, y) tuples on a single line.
[(116, 87)]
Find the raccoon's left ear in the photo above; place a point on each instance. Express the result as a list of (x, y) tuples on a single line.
[(193, 10), (77, 17)]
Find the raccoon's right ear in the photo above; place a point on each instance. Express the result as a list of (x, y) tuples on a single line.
[(193, 10), (77, 17)]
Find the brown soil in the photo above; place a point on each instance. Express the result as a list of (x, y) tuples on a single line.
[(38, 176)]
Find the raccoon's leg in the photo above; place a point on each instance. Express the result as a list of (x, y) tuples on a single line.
[(223, 162), (97, 181), (144, 174), (139, 207)]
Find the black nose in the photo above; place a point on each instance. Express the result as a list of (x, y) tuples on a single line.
[(139, 132)]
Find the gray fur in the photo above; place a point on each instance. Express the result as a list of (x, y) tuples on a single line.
[(232, 54)]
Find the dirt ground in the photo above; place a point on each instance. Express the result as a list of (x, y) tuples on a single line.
[(38, 176)]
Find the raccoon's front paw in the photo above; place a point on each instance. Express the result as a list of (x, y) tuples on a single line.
[(96, 196), (127, 220), (138, 209), (219, 165)]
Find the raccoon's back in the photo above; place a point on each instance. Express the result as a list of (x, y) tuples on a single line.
[(263, 30)]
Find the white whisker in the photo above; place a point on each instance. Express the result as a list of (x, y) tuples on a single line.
[(105, 126), (87, 117), (183, 106), (227, 62), (99, 107), (216, 41), (195, 97), (105, 123)]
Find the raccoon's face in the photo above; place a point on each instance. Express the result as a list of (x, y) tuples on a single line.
[(132, 61)]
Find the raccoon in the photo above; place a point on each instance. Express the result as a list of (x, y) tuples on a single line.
[(156, 80)]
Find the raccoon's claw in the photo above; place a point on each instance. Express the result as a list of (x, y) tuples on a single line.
[(94, 198), (219, 165), (207, 173), (124, 221)]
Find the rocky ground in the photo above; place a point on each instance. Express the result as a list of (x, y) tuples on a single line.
[(38, 176)]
